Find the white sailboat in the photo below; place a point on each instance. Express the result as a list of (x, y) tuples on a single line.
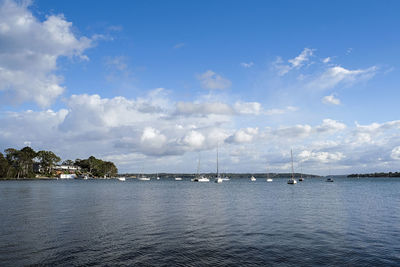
[(199, 178), (268, 179), (143, 178), (218, 179), (292, 180)]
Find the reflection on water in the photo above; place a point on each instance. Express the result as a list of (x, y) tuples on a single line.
[(348, 222)]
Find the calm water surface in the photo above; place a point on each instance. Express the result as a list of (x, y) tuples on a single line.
[(352, 222)]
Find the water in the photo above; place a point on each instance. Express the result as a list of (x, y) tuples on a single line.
[(179, 223)]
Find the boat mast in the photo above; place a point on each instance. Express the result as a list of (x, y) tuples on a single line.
[(198, 166), (291, 154), (217, 163)]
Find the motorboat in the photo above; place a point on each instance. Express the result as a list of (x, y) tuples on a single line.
[(253, 179)]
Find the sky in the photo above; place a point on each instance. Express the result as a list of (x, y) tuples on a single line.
[(154, 86)]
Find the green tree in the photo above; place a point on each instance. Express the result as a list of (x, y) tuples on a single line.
[(47, 160), (68, 162), (4, 167)]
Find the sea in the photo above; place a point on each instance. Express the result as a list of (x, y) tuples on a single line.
[(350, 222)]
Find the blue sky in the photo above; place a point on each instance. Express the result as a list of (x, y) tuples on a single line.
[(151, 85)]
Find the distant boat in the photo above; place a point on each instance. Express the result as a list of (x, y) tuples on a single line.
[(329, 179), (158, 178), (218, 179), (268, 179), (301, 179), (292, 180), (226, 178), (122, 179), (143, 178), (253, 179), (178, 178), (199, 178)]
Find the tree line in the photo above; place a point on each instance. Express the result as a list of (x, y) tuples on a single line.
[(27, 163), (375, 174)]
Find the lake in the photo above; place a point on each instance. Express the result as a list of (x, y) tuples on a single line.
[(352, 222)]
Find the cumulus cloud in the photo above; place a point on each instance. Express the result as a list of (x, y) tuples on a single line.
[(395, 153), (245, 135), (320, 156), (329, 125), (30, 49), (294, 63), (194, 139), (337, 75), (331, 99), (211, 80)]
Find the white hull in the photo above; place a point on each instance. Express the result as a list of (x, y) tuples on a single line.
[(201, 180), (178, 179), (253, 179), (122, 179), (144, 179), (218, 180), (269, 180)]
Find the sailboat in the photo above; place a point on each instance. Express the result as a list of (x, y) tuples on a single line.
[(199, 178), (268, 179), (122, 179), (301, 174), (292, 180), (252, 178), (329, 179), (143, 178), (218, 179)]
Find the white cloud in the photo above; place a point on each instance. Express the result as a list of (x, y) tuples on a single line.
[(253, 108), (247, 65), (338, 75), (243, 135), (329, 125), (395, 153), (29, 52), (331, 99), (204, 108), (194, 139), (304, 56), (152, 140), (294, 63), (297, 131), (320, 156), (326, 60), (211, 80)]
